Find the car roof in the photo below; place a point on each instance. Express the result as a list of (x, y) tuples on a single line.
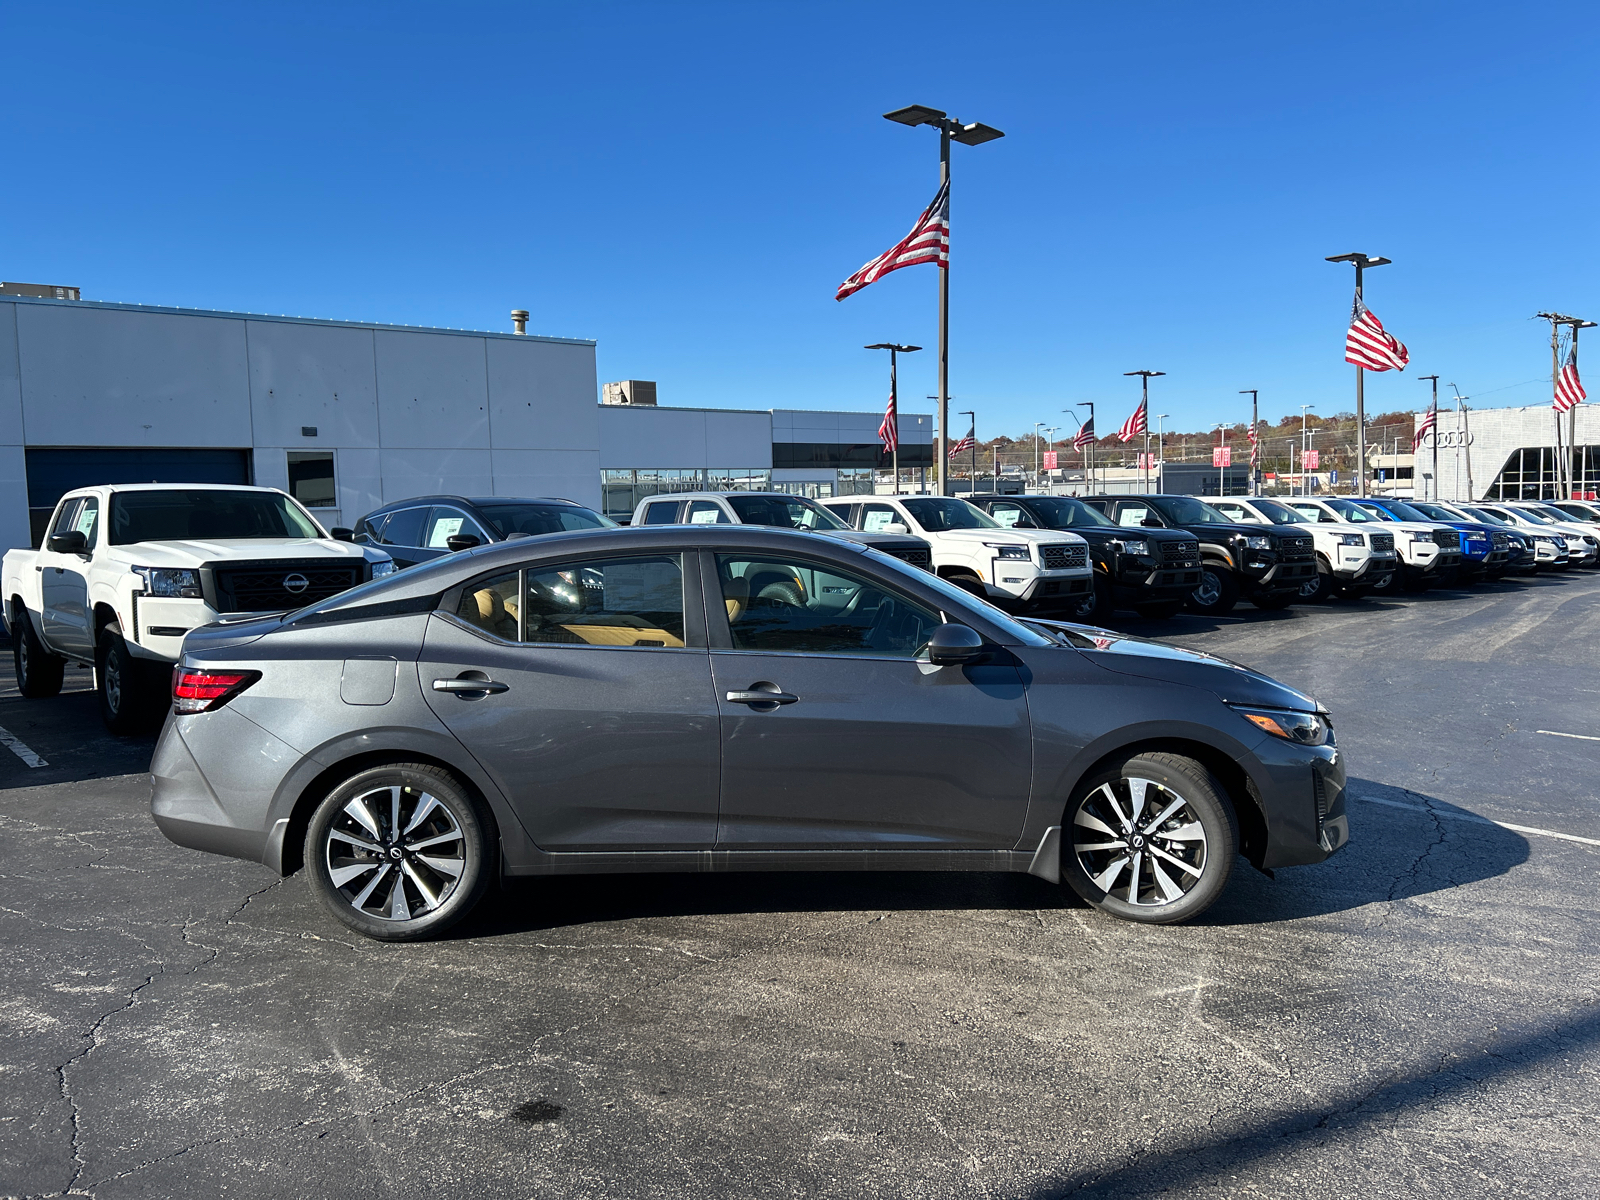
[(475, 501), (187, 487), (728, 495)]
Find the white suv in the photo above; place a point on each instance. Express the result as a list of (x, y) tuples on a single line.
[(1352, 558), (1427, 552), (1583, 547), (1038, 569)]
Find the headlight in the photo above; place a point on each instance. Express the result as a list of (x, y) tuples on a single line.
[(1258, 543), (170, 581), (1007, 550), (1305, 729), (380, 569), (1351, 539), (1140, 548)]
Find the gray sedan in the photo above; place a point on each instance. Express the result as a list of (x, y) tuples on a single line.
[(645, 700)]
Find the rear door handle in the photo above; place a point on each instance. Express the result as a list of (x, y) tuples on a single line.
[(760, 697), (470, 685)]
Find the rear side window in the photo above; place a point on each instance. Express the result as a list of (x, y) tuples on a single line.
[(615, 602), (662, 513), (492, 606), (404, 528), (875, 518)]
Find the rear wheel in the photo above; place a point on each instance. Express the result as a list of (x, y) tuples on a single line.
[(1152, 840), (1218, 591), (401, 852), (125, 702), (39, 672)]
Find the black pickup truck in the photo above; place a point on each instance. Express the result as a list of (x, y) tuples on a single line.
[(1264, 564), (1151, 571)]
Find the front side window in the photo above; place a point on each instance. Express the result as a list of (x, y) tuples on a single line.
[(211, 513), (876, 518), (1353, 513), (937, 514), (783, 605), (446, 523), (707, 512), (611, 602), (404, 528), (66, 518), (663, 513), (88, 520)]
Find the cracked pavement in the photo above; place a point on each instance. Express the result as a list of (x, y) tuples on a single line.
[(1418, 1015)]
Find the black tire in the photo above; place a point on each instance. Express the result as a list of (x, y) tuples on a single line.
[(1095, 608), (125, 700), (39, 672), (784, 594), (1414, 581), (1384, 585), (1218, 591), (1206, 819), (1274, 601), (457, 827), (1164, 611), (1318, 588)]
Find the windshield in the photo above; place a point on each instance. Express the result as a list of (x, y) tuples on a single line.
[(1551, 511), (1406, 512), (786, 512), (210, 514), (1353, 513), (937, 515), (1062, 512), (1435, 512), (1024, 634), (1374, 512), (1279, 514), (1536, 518), (537, 519), (1181, 510), (1484, 515)]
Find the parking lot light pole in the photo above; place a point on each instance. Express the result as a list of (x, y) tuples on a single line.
[(973, 487), (1255, 414), (1305, 444), (972, 134), (1161, 449), (894, 397), (1435, 431), (1037, 425), (1360, 262), (1088, 450)]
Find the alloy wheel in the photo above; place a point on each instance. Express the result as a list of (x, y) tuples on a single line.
[(395, 853), (1151, 848), (111, 683), (1210, 589)]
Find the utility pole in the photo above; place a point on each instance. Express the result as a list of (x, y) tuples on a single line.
[(894, 399), (1565, 476), (1255, 473), (1360, 262), (1435, 432), (1088, 448), (974, 134), (1305, 444)]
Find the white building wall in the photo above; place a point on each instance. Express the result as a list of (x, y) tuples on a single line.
[(1494, 434), (683, 438), (13, 477)]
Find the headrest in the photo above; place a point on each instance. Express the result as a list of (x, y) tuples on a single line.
[(491, 607), (736, 596)]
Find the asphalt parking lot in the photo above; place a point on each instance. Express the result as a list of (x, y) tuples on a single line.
[(1416, 1016)]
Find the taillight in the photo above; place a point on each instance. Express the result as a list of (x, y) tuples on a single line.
[(202, 691)]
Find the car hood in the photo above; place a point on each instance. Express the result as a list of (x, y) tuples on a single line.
[(192, 552), (1231, 682), (878, 541), (1052, 537)]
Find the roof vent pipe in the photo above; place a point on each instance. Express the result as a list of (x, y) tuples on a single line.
[(519, 320)]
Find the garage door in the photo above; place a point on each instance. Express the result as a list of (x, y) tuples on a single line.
[(55, 472)]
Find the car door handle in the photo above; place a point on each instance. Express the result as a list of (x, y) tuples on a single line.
[(761, 697), (488, 686)]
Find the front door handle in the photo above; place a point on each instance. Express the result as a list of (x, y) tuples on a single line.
[(486, 686), (760, 696)]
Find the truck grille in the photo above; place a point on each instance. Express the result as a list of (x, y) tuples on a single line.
[(1447, 539), (1382, 541), (1180, 550), (1500, 541), (917, 558), (269, 587), (1294, 547), (1063, 556)]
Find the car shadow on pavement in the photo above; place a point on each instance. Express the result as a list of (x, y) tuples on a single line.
[(1403, 844)]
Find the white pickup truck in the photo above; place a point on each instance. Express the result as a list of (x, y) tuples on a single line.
[(1027, 570), (126, 571)]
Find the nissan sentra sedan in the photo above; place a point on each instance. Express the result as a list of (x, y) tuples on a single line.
[(643, 700)]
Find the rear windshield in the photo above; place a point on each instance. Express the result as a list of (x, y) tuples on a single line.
[(786, 512), (209, 514), (537, 519)]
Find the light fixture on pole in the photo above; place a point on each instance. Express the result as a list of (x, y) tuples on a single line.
[(893, 418), (1360, 262), (1144, 405), (1305, 444), (1255, 414), (973, 134)]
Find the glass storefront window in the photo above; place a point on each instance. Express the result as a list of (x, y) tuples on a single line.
[(623, 489)]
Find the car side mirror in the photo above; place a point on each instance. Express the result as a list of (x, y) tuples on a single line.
[(70, 542), (340, 534), (953, 645), (1150, 523), (896, 527), (462, 541), (1026, 523)]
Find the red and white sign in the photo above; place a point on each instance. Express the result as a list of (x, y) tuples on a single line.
[(1312, 460), (1222, 456), (1049, 460), (1583, 495)]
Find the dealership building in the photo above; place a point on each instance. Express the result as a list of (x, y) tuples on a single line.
[(350, 415), (1509, 454)]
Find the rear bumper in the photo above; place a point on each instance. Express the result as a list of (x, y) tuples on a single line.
[(227, 814)]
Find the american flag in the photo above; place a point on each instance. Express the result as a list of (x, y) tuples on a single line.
[(928, 242), (1085, 435), (1368, 345), (1134, 425), (1429, 420), (889, 431), (1569, 389), (966, 443)]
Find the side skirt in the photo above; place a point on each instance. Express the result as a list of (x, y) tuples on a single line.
[(1025, 861)]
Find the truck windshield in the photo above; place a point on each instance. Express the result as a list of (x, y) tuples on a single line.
[(1181, 510), (1405, 512), (1063, 512), (786, 512), (1279, 514), (210, 514), (1356, 514), (537, 519), (937, 515)]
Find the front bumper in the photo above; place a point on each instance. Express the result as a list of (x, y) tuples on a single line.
[(1301, 790), (1365, 566), (1279, 576), (1021, 581)]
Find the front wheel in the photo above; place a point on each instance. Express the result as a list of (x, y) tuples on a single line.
[(1152, 840), (400, 852), (118, 680), (1218, 591), (39, 673), (1318, 588), (1096, 607)]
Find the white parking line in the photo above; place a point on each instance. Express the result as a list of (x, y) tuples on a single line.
[(1580, 736), (11, 743), (1465, 816)]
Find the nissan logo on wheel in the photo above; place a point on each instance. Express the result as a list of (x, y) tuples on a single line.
[(295, 583)]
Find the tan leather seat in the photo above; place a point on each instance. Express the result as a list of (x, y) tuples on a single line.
[(736, 597), (496, 614)]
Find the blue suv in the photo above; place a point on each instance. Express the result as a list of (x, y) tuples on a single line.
[(1485, 551)]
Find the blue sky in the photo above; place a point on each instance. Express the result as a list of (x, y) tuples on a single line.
[(688, 183)]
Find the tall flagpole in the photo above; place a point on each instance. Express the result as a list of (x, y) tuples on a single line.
[(944, 326)]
